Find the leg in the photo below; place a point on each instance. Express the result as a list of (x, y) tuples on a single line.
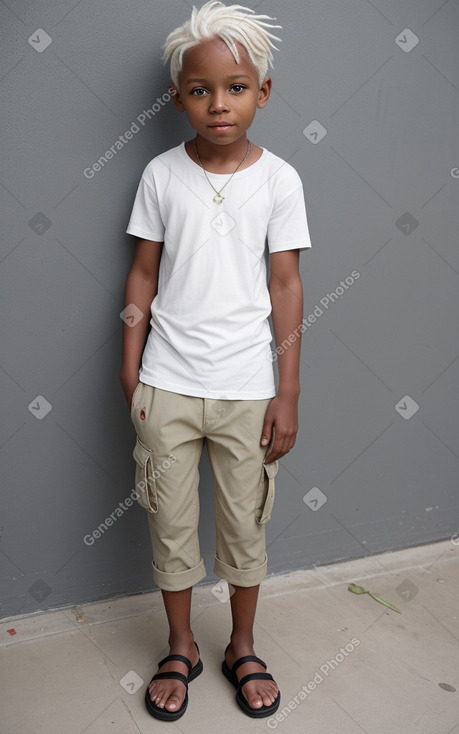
[(244, 492), (169, 693), (243, 608), (167, 426)]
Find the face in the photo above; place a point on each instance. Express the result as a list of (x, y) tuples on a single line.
[(219, 96)]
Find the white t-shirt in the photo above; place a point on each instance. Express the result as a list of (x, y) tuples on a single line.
[(210, 335)]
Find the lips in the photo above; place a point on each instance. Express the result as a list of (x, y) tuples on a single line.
[(221, 124)]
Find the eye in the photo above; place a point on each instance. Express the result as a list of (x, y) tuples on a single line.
[(198, 91), (238, 88)]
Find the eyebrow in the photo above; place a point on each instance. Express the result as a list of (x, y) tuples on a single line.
[(203, 81)]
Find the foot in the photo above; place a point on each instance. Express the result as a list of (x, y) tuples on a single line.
[(169, 693), (257, 693)]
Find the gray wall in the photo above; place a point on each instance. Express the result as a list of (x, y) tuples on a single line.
[(381, 188)]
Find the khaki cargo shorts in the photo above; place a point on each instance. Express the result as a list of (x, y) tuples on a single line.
[(171, 429)]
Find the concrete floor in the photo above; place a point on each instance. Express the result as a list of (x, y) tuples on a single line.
[(345, 664)]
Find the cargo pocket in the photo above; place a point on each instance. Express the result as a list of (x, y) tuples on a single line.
[(145, 482), (264, 507)]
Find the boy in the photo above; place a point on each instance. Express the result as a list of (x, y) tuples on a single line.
[(203, 214)]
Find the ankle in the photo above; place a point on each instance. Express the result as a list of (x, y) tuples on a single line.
[(241, 642), (183, 638)]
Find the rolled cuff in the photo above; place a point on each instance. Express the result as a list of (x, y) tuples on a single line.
[(181, 579), (241, 576)]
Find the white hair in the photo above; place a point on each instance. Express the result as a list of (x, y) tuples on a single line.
[(230, 23)]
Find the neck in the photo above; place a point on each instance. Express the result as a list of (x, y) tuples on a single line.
[(221, 155)]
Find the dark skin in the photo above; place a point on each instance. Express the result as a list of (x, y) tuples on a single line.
[(213, 89)]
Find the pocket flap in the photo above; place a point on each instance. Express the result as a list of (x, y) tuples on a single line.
[(141, 453), (270, 470), (145, 482)]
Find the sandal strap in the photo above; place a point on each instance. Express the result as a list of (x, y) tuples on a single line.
[(172, 674), (247, 659), (180, 658), (254, 676)]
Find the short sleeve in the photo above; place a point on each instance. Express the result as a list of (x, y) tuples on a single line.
[(288, 227), (145, 221)]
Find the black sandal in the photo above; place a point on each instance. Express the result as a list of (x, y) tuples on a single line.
[(241, 700), (163, 713)]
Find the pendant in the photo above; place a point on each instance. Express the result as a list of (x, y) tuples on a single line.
[(218, 198)]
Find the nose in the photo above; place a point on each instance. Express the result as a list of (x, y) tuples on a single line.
[(218, 103)]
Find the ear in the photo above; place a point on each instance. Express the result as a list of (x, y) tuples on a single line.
[(264, 92), (174, 91)]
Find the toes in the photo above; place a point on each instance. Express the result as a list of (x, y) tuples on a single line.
[(154, 692), (256, 699), (269, 698), (262, 698), (162, 698), (173, 703), (256, 702), (158, 697)]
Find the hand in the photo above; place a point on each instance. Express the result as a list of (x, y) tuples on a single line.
[(280, 427), (129, 382)]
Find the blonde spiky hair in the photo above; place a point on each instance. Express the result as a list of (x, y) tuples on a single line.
[(230, 23)]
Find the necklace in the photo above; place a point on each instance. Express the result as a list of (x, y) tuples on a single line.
[(218, 198)]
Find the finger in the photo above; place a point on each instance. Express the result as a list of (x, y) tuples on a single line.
[(279, 448), (267, 431), (274, 452)]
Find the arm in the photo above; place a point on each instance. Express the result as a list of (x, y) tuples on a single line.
[(141, 288), (286, 292)]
